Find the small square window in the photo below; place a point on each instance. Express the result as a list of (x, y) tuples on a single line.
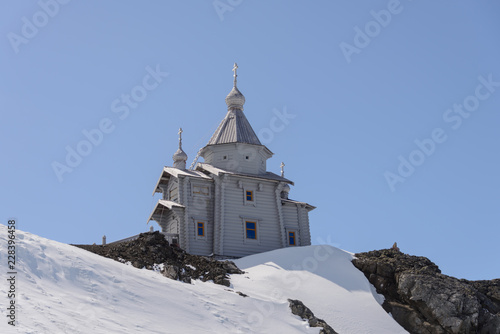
[(291, 238), (200, 227), (200, 190), (249, 195), (251, 230), (224, 157), (247, 157)]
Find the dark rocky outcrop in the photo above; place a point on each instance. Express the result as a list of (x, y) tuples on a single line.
[(152, 249), (298, 308), (424, 301)]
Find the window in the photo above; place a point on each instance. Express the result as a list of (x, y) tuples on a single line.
[(200, 190), (200, 229), (251, 230), (291, 238), (172, 194), (249, 195)]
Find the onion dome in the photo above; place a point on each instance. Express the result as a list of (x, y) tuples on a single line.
[(285, 191), (235, 99), (180, 157)]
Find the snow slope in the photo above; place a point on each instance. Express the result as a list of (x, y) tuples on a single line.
[(64, 289)]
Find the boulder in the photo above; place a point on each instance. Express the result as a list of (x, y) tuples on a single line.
[(424, 301), (298, 308)]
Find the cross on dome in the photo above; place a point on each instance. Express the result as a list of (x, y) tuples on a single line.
[(235, 68), (180, 138), (235, 100), (180, 156)]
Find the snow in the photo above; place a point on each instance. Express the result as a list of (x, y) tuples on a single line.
[(64, 289), (324, 279)]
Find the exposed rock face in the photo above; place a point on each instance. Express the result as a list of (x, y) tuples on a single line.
[(152, 249), (424, 301), (298, 308)]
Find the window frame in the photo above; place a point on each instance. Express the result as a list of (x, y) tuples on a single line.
[(198, 227), (249, 229), (295, 236), (205, 223), (245, 220), (200, 186), (249, 193), (253, 192)]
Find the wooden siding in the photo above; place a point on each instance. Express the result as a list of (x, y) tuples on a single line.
[(169, 220), (200, 208), (305, 233), (290, 216), (217, 216), (265, 211), (236, 157), (172, 191), (183, 221)]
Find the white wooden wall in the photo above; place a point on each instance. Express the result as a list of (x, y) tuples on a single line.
[(236, 211)]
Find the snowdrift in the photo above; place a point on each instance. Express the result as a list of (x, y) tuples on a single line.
[(64, 289)]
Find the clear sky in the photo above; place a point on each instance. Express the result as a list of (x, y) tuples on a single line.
[(386, 114)]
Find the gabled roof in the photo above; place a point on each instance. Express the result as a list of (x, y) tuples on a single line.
[(234, 128), (163, 205), (218, 171), (308, 206), (176, 172)]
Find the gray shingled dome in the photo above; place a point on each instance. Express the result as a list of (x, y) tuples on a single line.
[(235, 99)]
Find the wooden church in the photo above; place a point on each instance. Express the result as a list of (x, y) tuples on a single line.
[(229, 205)]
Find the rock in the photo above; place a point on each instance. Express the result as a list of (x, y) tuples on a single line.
[(241, 294), (395, 246), (424, 301), (298, 308), (222, 280), (171, 271), (152, 248), (231, 267), (138, 264)]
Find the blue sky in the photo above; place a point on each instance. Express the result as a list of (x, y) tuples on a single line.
[(392, 129)]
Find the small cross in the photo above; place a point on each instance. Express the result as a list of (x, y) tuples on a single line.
[(235, 67), (282, 169), (180, 137)]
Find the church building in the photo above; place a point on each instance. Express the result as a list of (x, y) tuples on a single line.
[(229, 205)]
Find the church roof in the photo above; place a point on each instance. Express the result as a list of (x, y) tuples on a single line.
[(234, 128), (308, 206), (163, 205), (218, 171), (176, 172)]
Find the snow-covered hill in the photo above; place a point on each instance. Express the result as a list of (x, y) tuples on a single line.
[(64, 289)]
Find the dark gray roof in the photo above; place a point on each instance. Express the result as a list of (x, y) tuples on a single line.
[(266, 175), (234, 128)]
